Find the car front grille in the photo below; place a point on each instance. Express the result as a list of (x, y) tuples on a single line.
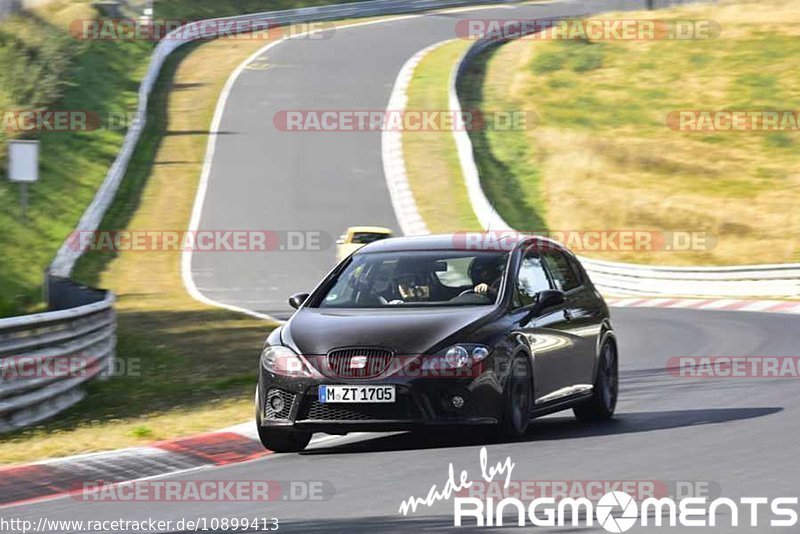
[(359, 363), (286, 397)]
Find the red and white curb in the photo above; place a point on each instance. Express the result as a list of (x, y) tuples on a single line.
[(767, 306), (65, 476)]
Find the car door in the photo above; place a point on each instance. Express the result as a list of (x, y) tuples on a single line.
[(541, 334), (579, 320)]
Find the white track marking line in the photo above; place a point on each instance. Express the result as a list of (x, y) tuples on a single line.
[(392, 156)]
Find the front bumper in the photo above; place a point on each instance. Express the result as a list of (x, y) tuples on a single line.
[(420, 403)]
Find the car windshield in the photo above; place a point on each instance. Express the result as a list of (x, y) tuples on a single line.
[(417, 279), (365, 238)]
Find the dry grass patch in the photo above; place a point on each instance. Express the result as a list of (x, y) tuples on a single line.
[(603, 157)]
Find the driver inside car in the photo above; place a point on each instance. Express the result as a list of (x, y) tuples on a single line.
[(411, 291), (486, 274), (412, 282)]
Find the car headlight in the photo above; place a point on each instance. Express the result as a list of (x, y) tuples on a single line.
[(457, 357), (284, 361)]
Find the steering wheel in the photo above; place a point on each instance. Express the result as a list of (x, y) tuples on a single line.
[(467, 292)]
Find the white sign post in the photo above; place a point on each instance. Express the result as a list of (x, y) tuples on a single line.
[(23, 167)]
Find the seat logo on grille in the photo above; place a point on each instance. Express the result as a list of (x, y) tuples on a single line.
[(358, 362)]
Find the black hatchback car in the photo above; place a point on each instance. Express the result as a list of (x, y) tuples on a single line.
[(435, 331)]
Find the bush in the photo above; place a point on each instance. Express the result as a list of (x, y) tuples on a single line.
[(34, 64)]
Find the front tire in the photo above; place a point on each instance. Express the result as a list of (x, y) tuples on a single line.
[(519, 394), (603, 402)]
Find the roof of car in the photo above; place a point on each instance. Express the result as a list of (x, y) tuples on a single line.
[(369, 229), (467, 241)]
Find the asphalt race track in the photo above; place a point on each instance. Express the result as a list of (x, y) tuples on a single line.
[(263, 178), (735, 436)]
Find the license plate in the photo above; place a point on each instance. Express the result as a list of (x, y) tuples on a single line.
[(356, 394)]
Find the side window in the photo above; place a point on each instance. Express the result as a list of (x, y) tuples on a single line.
[(531, 279), (577, 269), (566, 278)]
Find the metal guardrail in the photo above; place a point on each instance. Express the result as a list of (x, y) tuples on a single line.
[(762, 281), (46, 358), (625, 279)]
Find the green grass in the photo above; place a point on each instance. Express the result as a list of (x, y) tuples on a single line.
[(432, 164), (194, 366), (603, 157), (42, 67), (504, 157)]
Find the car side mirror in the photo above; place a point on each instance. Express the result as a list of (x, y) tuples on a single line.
[(549, 298), (544, 299), (297, 300), (341, 240)]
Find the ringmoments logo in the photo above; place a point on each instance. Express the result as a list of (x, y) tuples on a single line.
[(605, 511), (615, 511)]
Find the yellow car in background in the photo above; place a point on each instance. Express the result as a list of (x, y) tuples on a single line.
[(356, 237)]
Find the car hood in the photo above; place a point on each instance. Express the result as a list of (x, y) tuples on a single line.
[(315, 331)]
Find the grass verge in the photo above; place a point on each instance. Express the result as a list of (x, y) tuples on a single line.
[(603, 156), (192, 367), (42, 67), (432, 164)]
